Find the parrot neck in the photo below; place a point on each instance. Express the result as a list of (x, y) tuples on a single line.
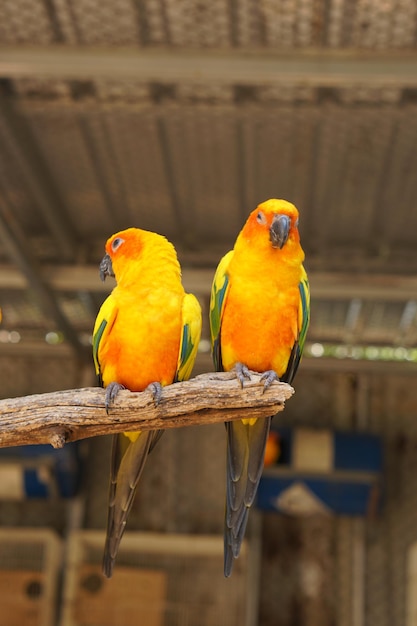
[(253, 255), (160, 269)]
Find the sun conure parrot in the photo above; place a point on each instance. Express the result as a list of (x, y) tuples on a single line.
[(259, 315), (145, 336)]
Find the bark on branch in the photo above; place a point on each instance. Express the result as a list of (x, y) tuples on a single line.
[(64, 416)]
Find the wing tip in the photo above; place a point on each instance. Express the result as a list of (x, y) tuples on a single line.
[(228, 556), (108, 564)]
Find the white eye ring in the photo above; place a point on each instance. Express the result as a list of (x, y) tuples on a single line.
[(260, 218), (116, 243)]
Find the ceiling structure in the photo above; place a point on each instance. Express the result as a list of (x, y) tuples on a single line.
[(180, 117)]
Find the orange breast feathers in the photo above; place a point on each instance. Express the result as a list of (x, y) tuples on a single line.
[(142, 346), (262, 338)]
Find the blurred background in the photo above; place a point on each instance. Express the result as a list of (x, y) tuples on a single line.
[(180, 116)]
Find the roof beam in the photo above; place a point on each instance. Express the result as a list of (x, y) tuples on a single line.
[(205, 364), (324, 285), (347, 286), (232, 67), (331, 365)]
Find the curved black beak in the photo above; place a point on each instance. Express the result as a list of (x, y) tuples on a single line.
[(279, 231), (106, 268)]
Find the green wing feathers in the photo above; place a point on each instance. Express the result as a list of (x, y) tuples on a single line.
[(217, 300), (104, 322), (191, 331), (304, 310), (303, 322), (96, 342)]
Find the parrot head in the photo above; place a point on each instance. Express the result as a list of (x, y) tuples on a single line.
[(123, 246), (106, 263), (276, 218), (129, 252)]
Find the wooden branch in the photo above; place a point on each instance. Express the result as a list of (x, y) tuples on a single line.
[(64, 416)]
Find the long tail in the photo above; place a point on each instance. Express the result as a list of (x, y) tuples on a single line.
[(125, 471), (245, 460)]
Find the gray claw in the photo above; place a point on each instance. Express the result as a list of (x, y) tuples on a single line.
[(269, 377), (242, 372), (156, 391), (112, 390)]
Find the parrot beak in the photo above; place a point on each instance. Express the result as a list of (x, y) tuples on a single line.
[(106, 268), (279, 231)]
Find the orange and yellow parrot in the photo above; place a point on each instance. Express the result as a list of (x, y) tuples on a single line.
[(145, 336), (259, 315)]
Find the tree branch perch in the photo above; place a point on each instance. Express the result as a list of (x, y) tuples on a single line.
[(64, 416)]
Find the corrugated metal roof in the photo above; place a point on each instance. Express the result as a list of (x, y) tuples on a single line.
[(282, 24), (190, 116)]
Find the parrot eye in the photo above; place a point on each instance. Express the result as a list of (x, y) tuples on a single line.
[(260, 218), (296, 223), (116, 243)]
